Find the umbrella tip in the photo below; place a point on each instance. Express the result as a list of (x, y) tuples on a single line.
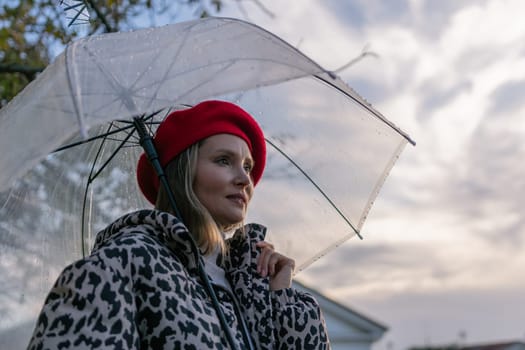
[(331, 74)]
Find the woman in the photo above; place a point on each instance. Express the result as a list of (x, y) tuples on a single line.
[(145, 283)]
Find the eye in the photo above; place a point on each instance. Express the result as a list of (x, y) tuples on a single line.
[(222, 161), (248, 167)]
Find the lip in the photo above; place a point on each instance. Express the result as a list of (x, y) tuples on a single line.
[(238, 197)]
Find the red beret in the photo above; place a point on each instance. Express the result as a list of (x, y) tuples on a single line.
[(183, 128)]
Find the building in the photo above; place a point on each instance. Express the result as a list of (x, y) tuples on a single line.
[(510, 345), (347, 328), (515, 345)]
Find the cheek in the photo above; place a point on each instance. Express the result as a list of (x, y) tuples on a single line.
[(203, 175), (200, 186), (249, 192), (207, 182)]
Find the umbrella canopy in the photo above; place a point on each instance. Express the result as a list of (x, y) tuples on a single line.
[(329, 150)]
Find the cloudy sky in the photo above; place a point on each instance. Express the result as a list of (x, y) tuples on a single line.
[(444, 255), (443, 259)]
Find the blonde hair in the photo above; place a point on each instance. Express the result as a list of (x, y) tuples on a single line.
[(181, 174)]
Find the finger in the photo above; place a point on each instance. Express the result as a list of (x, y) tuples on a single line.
[(278, 262), (263, 261), (283, 277), (263, 244), (274, 263)]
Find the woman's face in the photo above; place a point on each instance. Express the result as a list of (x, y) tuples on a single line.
[(222, 179)]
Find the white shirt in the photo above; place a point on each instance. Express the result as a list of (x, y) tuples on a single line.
[(216, 273)]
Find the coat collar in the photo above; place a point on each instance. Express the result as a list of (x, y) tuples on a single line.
[(167, 228), (251, 289), (172, 232)]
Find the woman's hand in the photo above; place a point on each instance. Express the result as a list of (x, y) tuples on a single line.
[(277, 266)]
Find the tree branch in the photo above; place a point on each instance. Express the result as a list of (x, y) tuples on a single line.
[(257, 3), (28, 71), (365, 52), (264, 8), (100, 15)]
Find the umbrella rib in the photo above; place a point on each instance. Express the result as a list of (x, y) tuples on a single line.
[(103, 166), (363, 103), (104, 135), (132, 89), (206, 81), (108, 133), (120, 146), (315, 185), (92, 177), (173, 62), (229, 62), (89, 181), (82, 220), (113, 81)]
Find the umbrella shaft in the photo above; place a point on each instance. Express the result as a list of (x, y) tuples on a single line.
[(146, 141)]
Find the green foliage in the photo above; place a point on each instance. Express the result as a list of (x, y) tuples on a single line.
[(28, 29), (32, 31)]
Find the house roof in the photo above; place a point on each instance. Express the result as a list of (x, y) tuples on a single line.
[(344, 323), (509, 345), (496, 346)]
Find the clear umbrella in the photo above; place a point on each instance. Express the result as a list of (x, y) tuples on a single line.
[(329, 151)]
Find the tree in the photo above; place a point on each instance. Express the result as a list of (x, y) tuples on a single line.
[(32, 31), (27, 30)]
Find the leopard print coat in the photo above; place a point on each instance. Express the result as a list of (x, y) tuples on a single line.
[(140, 289)]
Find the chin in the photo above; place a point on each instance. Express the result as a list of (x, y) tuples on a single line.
[(228, 225)]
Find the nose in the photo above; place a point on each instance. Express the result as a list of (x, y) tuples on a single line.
[(243, 178)]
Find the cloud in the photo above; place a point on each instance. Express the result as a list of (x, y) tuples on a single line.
[(507, 97), (433, 16), (434, 96), (444, 242), (438, 318), (347, 12), (490, 184), (425, 264), (360, 13)]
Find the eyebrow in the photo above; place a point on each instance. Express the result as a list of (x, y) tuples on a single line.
[(233, 154)]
